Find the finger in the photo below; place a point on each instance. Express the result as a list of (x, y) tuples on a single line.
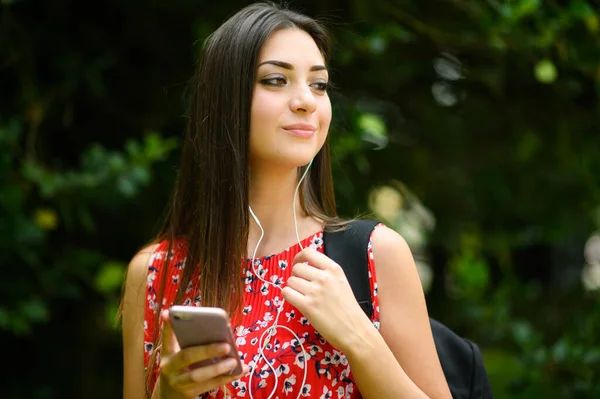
[(206, 373), (299, 284), (295, 298), (194, 354), (314, 258), (209, 385), (169, 341), (306, 272)]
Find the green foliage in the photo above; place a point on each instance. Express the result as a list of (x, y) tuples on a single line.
[(555, 356), (110, 277), (40, 203), (545, 71)]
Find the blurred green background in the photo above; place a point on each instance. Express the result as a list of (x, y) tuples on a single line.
[(470, 126)]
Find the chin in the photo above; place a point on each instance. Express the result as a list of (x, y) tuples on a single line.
[(292, 159), (302, 157), (297, 161), (286, 155)]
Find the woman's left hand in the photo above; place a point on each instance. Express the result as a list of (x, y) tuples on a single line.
[(319, 288)]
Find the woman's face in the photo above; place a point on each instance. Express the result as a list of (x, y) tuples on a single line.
[(291, 111)]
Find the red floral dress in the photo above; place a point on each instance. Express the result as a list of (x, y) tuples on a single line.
[(328, 372)]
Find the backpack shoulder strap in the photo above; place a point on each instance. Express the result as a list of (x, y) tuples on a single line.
[(348, 248)]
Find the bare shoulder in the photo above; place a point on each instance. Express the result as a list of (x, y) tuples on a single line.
[(138, 267), (395, 268), (133, 307), (143, 256), (135, 282), (389, 247), (403, 312)]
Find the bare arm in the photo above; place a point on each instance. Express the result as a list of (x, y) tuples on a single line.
[(401, 360), (176, 380), (133, 326)]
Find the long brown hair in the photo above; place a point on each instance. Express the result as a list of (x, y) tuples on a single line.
[(209, 205)]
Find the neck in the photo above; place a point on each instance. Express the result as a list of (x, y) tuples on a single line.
[(271, 199)]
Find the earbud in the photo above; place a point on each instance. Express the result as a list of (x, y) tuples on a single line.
[(271, 331)]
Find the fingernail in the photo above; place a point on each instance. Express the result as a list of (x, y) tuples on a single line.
[(224, 348)]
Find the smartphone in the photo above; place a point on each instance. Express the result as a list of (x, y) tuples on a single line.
[(195, 325)]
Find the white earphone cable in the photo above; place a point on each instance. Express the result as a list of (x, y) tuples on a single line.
[(271, 331), (294, 202)]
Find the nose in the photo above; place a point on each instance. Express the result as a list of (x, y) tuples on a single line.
[(303, 100)]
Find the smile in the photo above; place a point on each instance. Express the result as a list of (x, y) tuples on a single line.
[(303, 130)]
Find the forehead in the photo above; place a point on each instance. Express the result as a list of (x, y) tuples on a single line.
[(294, 46)]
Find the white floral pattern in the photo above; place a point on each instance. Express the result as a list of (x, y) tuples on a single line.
[(328, 372)]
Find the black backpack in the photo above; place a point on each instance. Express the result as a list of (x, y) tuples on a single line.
[(460, 358)]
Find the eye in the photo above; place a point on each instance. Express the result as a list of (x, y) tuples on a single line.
[(321, 86), (277, 81)]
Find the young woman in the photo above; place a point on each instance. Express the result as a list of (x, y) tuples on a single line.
[(244, 233)]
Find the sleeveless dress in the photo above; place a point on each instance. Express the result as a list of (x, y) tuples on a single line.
[(328, 371)]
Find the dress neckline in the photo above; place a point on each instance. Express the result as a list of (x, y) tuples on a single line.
[(294, 247)]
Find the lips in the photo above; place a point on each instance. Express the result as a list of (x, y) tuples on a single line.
[(304, 130)]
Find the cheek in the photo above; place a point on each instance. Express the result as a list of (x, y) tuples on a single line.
[(325, 116), (264, 107), (264, 118)]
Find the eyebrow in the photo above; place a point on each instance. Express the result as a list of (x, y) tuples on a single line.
[(286, 65)]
